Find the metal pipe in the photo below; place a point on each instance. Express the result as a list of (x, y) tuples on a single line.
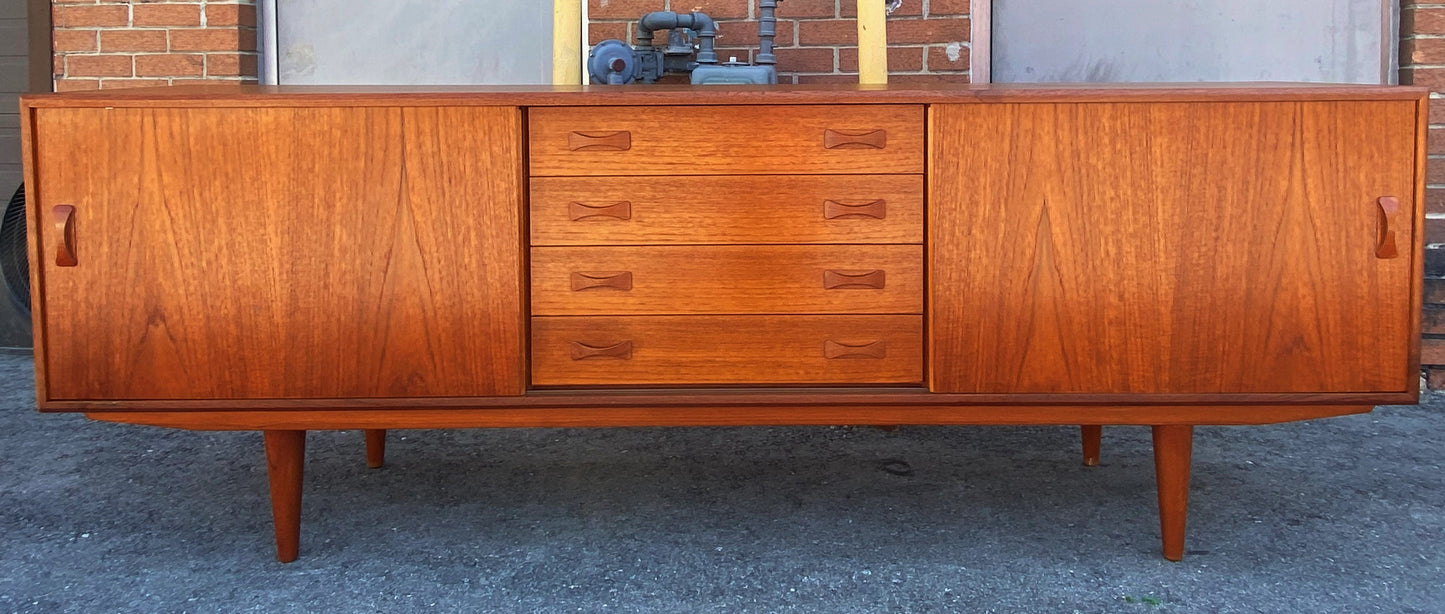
[(668, 20), (767, 29)]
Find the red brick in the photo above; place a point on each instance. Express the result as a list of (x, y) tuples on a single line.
[(900, 59), (940, 58), (1435, 200), (827, 32), (949, 7), (98, 66), (1422, 51), (157, 15), (930, 78), (1435, 140), (213, 39), (922, 31), (622, 9), (827, 79), (1435, 232), (170, 65), (909, 8), (132, 40), (716, 9), (746, 33), (808, 8), (107, 16), (1422, 21), (598, 32), (74, 40), (806, 60), (1437, 111), (231, 15), (76, 85), (1432, 351), (115, 84), (231, 65)]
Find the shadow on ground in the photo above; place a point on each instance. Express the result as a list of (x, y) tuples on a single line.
[(1339, 515)]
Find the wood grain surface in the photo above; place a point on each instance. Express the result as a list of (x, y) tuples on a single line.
[(1223, 247), (259, 253), (727, 209), (723, 140), (727, 279), (706, 350)]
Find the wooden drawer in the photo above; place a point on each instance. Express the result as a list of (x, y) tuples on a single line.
[(727, 279), (726, 140), (708, 350), (727, 209)]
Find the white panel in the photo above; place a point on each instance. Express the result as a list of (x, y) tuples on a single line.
[(12, 9), (1191, 40), (413, 42)]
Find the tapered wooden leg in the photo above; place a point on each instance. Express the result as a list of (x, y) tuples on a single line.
[(1173, 446), (1092, 435), (285, 455), (375, 447)]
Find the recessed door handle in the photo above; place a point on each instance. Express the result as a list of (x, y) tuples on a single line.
[(602, 281), (600, 141), (849, 349), (583, 211), (64, 217), (855, 139), (833, 209), (1388, 212), (853, 280), (621, 350)]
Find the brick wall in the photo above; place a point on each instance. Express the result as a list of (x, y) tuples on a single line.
[(1422, 62), (120, 43), (817, 42)]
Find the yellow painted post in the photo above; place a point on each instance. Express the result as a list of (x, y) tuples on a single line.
[(566, 42), (872, 42)]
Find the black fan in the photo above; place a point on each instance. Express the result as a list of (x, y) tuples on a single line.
[(14, 257)]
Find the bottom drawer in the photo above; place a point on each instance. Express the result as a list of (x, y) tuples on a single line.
[(716, 350)]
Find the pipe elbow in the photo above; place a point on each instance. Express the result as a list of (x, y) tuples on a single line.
[(657, 20), (703, 25)]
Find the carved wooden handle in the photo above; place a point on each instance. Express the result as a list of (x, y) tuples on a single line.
[(833, 209), (845, 349), (600, 141), (602, 281), (583, 211), (1389, 210), (621, 350), (853, 280), (64, 216), (855, 139)]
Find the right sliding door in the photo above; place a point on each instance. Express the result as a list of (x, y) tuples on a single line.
[(1171, 247)]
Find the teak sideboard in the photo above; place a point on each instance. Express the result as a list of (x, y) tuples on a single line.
[(290, 259)]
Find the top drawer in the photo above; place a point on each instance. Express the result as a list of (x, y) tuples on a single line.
[(726, 140)]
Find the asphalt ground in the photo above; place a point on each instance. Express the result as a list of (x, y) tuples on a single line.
[(1338, 515)]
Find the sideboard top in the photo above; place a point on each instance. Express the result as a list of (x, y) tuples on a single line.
[(602, 95)]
